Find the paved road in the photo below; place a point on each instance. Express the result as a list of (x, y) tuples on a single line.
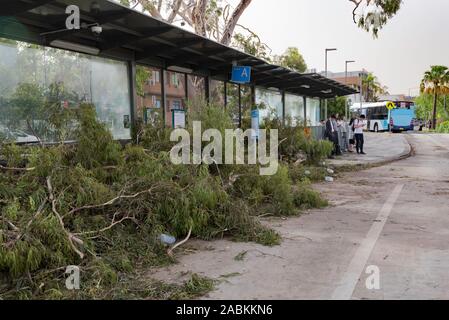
[(392, 219), (380, 147)]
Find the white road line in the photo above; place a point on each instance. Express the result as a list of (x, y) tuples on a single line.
[(346, 288)]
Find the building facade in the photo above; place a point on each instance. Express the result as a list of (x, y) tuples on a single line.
[(352, 79)]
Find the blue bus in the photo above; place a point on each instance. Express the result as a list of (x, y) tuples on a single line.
[(380, 118)]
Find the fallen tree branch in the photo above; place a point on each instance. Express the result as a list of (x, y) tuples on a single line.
[(14, 228), (112, 225), (16, 169), (112, 201), (28, 225), (170, 251), (70, 236)]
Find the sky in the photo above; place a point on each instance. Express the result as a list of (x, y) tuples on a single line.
[(416, 38)]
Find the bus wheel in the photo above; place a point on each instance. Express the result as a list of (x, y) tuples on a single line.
[(376, 128)]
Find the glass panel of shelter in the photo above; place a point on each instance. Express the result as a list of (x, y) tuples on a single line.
[(182, 91), (270, 103), (294, 109), (313, 111), (217, 92), (196, 92), (40, 82), (149, 95), (175, 94), (233, 102)]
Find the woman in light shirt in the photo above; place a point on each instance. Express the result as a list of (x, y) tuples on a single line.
[(359, 125)]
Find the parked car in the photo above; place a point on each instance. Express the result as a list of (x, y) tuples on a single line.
[(17, 136)]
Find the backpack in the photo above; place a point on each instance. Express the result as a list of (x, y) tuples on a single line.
[(352, 124)]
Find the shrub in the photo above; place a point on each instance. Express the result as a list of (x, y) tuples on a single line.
[(111, 203), (95, 144), (156, 138), (306, 198), (443, 127), (299, 173), (317, 150), (100, 190), (294, 142)]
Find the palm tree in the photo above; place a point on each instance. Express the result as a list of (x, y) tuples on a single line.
[(372, 87), (436, 82)]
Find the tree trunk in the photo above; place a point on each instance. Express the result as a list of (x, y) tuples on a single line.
[(199, 17), (434, 116), (175, 11), (445, 107), (232, 23)]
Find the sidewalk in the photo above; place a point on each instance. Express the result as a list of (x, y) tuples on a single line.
[(380, 148)]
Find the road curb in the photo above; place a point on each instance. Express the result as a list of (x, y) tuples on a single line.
[(409, 151)]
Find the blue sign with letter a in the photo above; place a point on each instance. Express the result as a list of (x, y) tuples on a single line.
[(241, 74)]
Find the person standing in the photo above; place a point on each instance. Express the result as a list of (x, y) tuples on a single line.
[(332, 134), (351, 135), (359, 125), (343, 128)]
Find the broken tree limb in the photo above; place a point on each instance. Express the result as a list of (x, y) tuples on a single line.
[(16, 169), (114, 200), (28, 225), (112, 225), (70, 236), (170, 251)]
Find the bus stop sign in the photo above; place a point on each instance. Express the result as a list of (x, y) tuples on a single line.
[(391, 106), (241, 74)]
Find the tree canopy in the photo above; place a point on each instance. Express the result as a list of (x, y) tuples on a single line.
[(293, 60), (215, 19), (218, 19), (435, 82), (373, 15), (372, 88)]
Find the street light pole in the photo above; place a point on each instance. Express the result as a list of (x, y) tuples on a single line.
[(346, 83), (361, 91), (325, 101)]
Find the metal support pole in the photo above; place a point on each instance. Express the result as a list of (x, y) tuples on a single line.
[(240, 105), (207, 88), (361, 92), (325, 101), (283, 106), (321, 110), (133, 117), (346, 83), (132, 93), (163, 96), (305, 111), (253, 95), (225, 94), (186, 89)]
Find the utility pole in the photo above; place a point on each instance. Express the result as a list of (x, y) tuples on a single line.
[(325, 101), (361, 91), (346, 83)]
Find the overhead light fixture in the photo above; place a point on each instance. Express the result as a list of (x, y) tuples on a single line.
[(179, 69), (74, 47), (327, 91), (305, 86)]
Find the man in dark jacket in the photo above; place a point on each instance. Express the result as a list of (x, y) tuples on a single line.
[(332, 134)]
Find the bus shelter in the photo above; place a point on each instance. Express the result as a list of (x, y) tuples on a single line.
[(103, 60)]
